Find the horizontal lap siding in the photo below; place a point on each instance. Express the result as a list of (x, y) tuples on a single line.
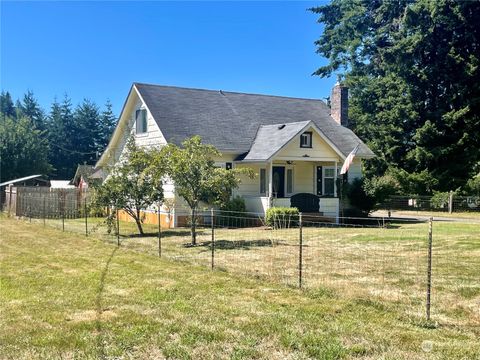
[(249, 187)]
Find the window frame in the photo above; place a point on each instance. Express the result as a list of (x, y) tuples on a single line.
[(324, 168), (307, 145), (141, 121), (263, 182)]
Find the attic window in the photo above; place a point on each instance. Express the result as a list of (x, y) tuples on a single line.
[(141, 121), (306, 139)]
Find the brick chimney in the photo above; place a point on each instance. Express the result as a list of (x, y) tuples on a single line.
[(339, 104)]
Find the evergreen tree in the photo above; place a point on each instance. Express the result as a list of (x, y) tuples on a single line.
[(29, 107), (23, 151), (107, 125), (6, 105), (412, 67), (88, 136)]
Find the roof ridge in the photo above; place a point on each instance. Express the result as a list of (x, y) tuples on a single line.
[(230, 92)]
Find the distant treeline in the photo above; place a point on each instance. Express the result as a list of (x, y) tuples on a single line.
[(53, 143)]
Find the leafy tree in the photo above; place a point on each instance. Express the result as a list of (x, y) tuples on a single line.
[(30, 108), (23, 151), (133, 185), (6, 105), (196, 178), (412, 67)]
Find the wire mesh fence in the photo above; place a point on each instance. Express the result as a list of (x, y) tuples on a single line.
[(444, 202), (380, 259)]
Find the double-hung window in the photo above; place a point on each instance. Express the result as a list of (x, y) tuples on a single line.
[(141, 121), (306, 139), (328, 181)]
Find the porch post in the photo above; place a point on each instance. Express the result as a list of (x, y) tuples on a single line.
[(270, 184), (335, 180)]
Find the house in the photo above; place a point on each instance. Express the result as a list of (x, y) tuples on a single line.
[(294, 145), (81, 179)]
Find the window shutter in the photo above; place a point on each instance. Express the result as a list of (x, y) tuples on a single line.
[(319, 180), (137, 122)]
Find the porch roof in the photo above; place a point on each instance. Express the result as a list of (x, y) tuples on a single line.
[(271, 138)]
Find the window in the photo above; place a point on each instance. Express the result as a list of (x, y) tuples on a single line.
[(141, 121), (289, 181), (263, 181), (306, 140), (329, 181)]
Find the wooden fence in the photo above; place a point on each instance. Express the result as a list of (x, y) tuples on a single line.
[(42, 201)]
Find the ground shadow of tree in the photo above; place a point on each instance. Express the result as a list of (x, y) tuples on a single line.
[(234, 245), (100, 341)]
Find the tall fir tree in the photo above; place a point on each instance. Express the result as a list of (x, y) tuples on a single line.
[(88, 131), (108, 122), (6, 105), (23, 150), (412, 66), (30, 108)]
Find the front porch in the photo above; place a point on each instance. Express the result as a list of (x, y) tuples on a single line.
[(277, 181)]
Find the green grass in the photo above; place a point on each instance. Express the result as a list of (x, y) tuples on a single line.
[(63, 295)]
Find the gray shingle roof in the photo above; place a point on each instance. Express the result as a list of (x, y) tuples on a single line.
[(230, 120), (271, 138)]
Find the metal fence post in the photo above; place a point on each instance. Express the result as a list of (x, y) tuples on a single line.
[(159, 233), (118, 226), (429, 267), (44, 214), (212, 220), (63, 217), (450, 202), (86, 215), (300, 250)]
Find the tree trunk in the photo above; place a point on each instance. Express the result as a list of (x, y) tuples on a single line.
[(193, 226), (139, 223)]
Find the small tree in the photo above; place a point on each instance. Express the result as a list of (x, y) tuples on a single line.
[(133, 185), (196, 177)]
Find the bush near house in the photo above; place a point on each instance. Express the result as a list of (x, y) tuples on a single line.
[(282, 217)]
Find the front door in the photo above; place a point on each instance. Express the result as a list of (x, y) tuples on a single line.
[(278, 181)]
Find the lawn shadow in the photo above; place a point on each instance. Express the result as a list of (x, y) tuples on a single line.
[(164, 233), (100, 343), (234, 245)]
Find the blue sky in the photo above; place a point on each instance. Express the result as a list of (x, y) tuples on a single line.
[(97, 49)]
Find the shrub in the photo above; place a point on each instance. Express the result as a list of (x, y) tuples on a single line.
[(282, 217), (358, 197), (233, 213), (440, 200)]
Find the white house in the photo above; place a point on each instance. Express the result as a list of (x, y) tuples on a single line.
[(294, 145)]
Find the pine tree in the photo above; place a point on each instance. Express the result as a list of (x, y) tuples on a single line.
[(108, 122), (23, 150), (30, 108), (88, 131), (6, 105)]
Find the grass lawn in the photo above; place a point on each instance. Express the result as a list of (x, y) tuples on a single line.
[(63, 295), (467, 215)]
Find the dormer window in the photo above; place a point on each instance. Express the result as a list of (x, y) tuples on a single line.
[(306, 139), (141, 121)]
